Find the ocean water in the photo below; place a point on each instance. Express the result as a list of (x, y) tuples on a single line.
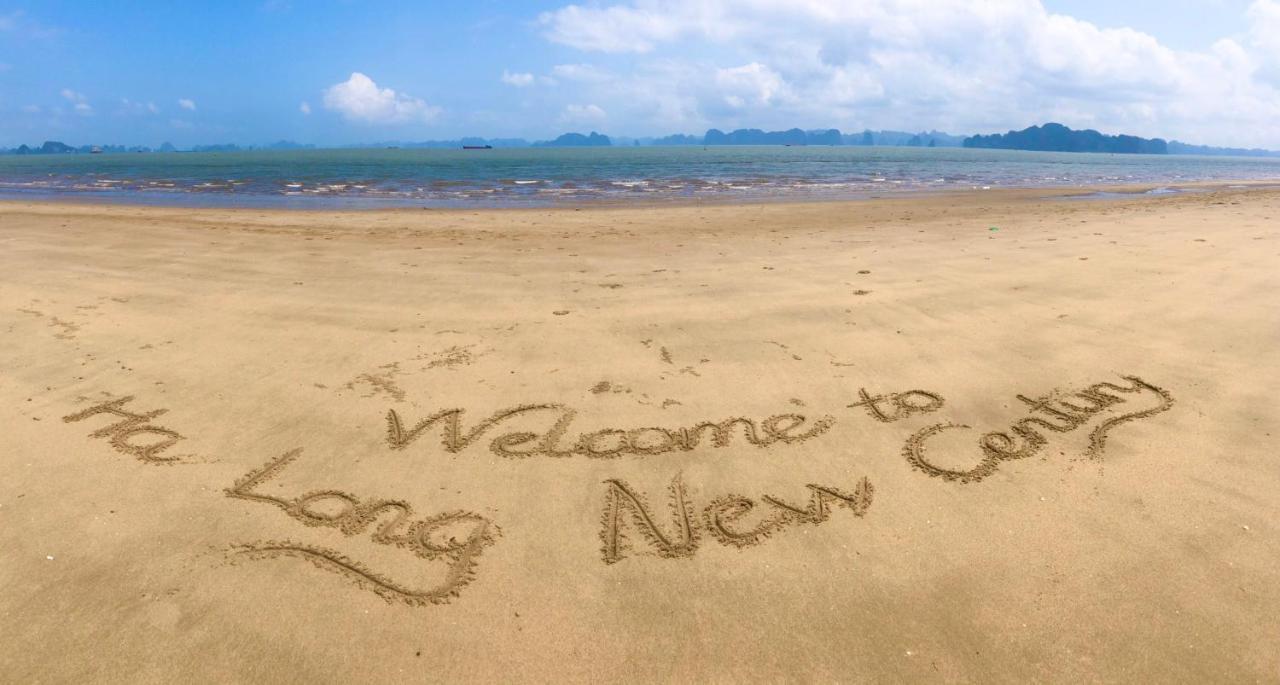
[(356, 178)]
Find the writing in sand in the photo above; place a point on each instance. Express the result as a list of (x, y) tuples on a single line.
[(608, 442), (457, 538), (1057, 413), (729, 519)]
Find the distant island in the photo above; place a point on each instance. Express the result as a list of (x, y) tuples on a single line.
[(1177, 148), (1051, 137), (1058, 138), (795, 136), (1054, 137), (577, 140), (754, 136), (54, 147)]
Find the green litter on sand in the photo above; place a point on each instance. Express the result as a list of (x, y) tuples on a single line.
[(992, 228)]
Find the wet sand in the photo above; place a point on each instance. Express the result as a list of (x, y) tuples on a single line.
[(991, 437)]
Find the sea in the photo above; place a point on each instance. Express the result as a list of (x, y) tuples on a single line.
[(540, 177)]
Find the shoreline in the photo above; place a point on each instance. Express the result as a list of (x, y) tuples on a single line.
[(1128, 192), (263, 202)]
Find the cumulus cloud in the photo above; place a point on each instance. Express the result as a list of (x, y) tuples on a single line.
[(955, 64), (1264, 38), (360, 99), (128, 106), (78, 101), (608, 29), (305, 108), (519, 80), (580, 72), (749, 84), (583, 114), (187, 104)]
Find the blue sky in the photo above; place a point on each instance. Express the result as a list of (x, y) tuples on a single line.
[(338, 71)]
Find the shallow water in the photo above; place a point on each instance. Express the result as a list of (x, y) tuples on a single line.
[(355, 178)]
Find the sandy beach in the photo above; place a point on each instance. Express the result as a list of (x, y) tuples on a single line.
[(977, 437)]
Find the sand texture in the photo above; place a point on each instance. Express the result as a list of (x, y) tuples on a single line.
[(984, 437)]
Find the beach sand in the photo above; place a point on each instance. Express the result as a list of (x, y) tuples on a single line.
[(216, 468)]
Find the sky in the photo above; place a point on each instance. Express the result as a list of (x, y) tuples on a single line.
[(342, 71)]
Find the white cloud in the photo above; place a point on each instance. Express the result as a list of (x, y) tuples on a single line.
[(959, 65), (305, 108), (78, 101), (1264, 38), (187, 104), (128, 106), (749, 84), (360, 99), (583, 114), (580, 72), (610, 29), (519, 80)]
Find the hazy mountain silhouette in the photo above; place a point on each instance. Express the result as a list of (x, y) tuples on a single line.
[(1058, 138), (577, 140), (904, 139), (1050, 137), (1178, 148)]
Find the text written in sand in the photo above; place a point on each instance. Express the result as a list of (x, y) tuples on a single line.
[(1060, 413), (134, 434), (731, 519), (456, 538), (609, 442), (898, 405)]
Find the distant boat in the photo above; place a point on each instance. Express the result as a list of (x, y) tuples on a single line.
[(477, 147), (95, 150)]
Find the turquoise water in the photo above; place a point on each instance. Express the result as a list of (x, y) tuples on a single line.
[(558, 176)]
